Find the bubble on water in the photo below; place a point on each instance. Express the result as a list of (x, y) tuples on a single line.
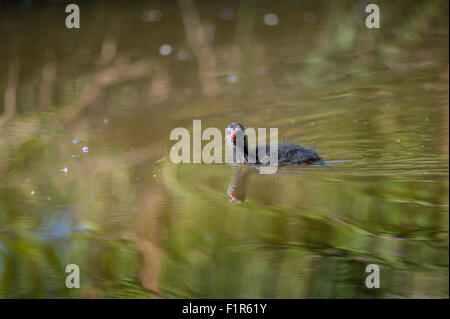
[(182, 55), (85, 149), (32, 193), (92, 196), (398, 141), (49, 198), (312, 123), (233, 78), (365, 123), (105, 121), (75, 141), (73, 156), (355, 120), (135, 209), (154, 175), (152, 15), (27, 180), (226, 14), (271, 19), (64, 170), (309, 17), (165, 49), (427, 119)]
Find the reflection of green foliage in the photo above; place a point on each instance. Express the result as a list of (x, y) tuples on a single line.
[(308, 232), (254, 244)]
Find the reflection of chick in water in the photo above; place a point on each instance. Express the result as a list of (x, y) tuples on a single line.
[(237, 190)]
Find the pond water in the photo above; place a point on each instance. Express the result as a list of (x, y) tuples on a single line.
[(85, 178)]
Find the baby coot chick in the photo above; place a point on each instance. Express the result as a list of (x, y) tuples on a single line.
[(288, 153)]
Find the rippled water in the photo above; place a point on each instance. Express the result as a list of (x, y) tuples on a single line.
[(374, 103)]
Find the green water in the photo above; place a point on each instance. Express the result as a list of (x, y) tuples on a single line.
[(373, 102)]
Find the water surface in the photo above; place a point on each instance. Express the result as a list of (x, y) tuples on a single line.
[(374, 102)]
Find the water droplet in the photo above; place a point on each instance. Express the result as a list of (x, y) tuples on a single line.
[(398, 141), (309, 17), (261, 70), (226, 14), (182, 55), (271, 19), (165, 49), (233, 78), (152, 15), (32, 193)]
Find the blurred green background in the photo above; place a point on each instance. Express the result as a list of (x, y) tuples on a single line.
[(374, 102)]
